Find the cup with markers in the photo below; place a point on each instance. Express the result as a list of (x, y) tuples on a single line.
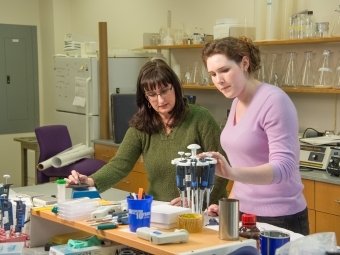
[(139, 210)]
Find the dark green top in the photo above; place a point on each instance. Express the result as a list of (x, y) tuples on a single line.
[(197, 127)]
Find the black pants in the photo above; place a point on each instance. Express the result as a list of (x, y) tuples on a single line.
[(297, 223)]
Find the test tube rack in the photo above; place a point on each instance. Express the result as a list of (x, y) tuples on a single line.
[(12, 237), (192, 186), (77, 209)]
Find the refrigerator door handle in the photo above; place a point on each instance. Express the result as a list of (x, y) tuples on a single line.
[(88, 102)]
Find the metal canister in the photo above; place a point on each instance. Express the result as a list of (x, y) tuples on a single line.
[(229, 219)]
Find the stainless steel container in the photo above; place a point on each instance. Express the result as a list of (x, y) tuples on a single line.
[(229, 219)]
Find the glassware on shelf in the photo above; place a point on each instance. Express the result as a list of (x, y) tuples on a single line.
[(262, 72), (205, 76), (306, 75), (196, 74), (187, 79), (273, 73), (289, 78), (336, 27), (336, 81), (325, 72), (310, 25), (321, 29)]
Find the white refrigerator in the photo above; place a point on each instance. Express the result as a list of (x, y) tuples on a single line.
[(77, 91)]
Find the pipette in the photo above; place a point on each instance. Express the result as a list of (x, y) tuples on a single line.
[(211, 176), (194, 206), (7, 214), (20, 216), (180, 182)]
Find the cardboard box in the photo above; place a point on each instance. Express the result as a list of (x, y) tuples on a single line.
[(64, 249)]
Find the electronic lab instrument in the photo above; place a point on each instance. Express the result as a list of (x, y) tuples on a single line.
[(192, 186), (159, 237), (105, 210)]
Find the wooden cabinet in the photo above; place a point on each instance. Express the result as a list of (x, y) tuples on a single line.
[(323, 202), (135, 180)]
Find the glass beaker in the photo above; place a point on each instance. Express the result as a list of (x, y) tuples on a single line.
[(306, 75), (262, 72), (336, 27), (273, 73), (325, 71), (289, 78), (336, 81), (187, 79)]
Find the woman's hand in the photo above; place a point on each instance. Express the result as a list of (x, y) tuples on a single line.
[(77, 178), (177, 202), (223, 169), (213, 210)]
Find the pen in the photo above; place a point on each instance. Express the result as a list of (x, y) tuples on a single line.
[(140, 193)]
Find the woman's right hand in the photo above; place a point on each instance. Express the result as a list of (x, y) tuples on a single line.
[(213, 210), (76, 178)]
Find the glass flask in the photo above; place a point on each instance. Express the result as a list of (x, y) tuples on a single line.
[(306, 75), (187, 79), (289, 78), (262, 72), (336, 81), (273, 73), (336, 27), (196, 74), (325, 72)]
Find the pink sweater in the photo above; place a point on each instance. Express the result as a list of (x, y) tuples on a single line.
[(267, 132)]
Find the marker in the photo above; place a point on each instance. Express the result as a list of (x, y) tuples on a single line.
[(140, 193), (106, 226)]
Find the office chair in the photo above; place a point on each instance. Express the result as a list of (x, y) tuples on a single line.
[(54, 139)]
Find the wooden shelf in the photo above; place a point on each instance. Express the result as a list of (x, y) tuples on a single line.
[(259, 43), (288, 90)]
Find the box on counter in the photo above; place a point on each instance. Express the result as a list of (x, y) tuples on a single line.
[(165, 216), (64, 249), (14, 248)]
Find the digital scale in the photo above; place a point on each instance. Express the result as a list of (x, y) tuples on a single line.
[(321, 157)]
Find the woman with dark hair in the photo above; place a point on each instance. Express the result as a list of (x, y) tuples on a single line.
[(260, 138), (163, 125)]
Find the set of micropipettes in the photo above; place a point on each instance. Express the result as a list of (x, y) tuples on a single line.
[(192, 186)]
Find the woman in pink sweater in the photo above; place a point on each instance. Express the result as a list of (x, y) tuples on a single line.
[(260, 138)]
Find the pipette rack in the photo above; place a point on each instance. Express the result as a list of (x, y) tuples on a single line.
[(13, 237), (187, 178)]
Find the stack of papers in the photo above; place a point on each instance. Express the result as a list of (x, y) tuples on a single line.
[(321, 140)]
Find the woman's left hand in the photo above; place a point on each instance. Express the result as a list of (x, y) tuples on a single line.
[(223, 168)]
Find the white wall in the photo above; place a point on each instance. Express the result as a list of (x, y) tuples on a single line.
[(126, 22)]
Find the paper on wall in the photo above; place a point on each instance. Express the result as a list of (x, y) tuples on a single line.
[(80, 92)]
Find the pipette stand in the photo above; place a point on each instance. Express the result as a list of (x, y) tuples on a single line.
[(190, 163)]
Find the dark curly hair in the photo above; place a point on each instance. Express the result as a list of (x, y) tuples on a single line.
[(154, 74), (234, 49)]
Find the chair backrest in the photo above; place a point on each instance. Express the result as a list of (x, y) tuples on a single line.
[(52, 140)]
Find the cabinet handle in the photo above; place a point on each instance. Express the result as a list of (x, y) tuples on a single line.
[(336, 200), (105, 156), (126, 182)]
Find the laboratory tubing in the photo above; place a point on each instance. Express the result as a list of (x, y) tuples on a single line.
[(310, 25), (228, 219), (306, 75), (325, 72), (249, 230), (61, 186)]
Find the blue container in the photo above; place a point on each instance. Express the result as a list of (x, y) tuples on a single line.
[(271, 240), (139, 212)]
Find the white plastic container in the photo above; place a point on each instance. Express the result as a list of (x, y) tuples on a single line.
[(61, 186)]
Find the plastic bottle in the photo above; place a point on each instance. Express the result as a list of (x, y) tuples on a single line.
[(310, 25), (61, 185), (249, 230)]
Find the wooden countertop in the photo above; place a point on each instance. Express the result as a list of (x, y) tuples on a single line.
[(207, 239)]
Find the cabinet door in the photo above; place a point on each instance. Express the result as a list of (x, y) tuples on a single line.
[(311, 219), (328, 223), (104, 152), (327, 198), (309, 193)]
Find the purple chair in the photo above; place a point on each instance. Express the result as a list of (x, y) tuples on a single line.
[(53, 140)]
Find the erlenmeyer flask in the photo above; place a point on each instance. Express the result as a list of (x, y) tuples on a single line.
[(273, 73), (187, 76), (324, 78), (336, 81), (306, 75), (289, 78), (262, 72), (336, 27)]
